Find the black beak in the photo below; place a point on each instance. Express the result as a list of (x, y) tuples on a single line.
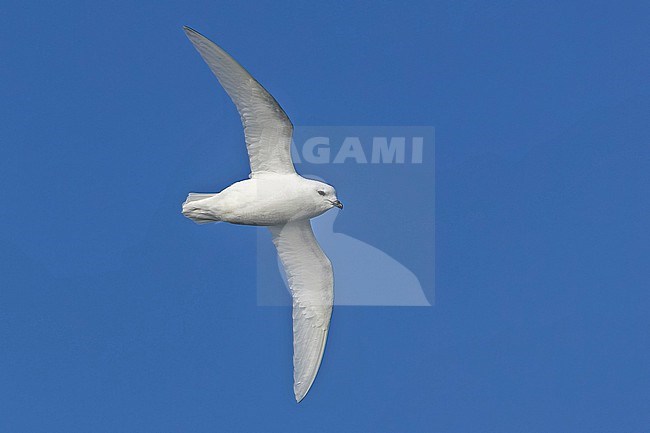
[(338, 204)]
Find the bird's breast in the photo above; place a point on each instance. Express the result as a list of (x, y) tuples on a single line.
[(264, 202)]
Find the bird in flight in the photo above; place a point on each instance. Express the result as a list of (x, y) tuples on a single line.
[(275, 196)]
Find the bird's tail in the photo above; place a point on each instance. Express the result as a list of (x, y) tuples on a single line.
[(196, 211), (195, 196)]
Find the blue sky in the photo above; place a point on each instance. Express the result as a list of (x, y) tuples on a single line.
[(119, 315)]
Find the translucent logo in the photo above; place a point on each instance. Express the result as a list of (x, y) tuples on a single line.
[(381, 244)]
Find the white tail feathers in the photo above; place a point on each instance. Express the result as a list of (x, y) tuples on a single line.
[(196, 211), (198, 196)]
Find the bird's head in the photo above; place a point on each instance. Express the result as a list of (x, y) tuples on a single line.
[(325, 195)]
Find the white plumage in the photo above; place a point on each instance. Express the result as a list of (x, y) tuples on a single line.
[(277, 197)]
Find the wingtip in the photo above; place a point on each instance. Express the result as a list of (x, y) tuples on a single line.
[(299, 397), (300, 391)]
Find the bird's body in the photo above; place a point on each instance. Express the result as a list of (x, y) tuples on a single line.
[(265, 200), (277, 197)]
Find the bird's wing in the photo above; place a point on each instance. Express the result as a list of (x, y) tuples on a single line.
[(311, 283), (266, 126)]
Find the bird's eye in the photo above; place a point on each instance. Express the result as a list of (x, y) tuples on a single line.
[(321, 192)]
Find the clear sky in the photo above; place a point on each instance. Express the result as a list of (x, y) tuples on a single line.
[(119, 315)]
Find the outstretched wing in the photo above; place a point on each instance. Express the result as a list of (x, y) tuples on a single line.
[(266, 126), (311, 283)]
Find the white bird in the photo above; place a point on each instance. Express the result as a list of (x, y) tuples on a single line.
[(278, 197)]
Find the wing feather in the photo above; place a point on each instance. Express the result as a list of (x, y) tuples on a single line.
[(311, 282), (267, 127)]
